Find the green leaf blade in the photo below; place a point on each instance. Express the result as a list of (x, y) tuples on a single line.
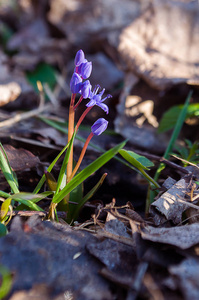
[(138, 161), (85, 173)]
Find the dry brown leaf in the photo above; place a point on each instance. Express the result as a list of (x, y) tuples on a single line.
[(167, 207), (186, 276), (182, 237), (20, 159), (162, 44)]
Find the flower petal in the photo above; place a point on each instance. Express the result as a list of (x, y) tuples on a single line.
[(91, 103), (104, 107)]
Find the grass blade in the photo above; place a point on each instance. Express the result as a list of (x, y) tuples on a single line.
[(85, 173), (7, 171)]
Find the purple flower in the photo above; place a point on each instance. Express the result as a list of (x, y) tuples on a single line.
[(96, 99), (79, 58), (84, 69), (99, 126), (75, 83), (86, 89)]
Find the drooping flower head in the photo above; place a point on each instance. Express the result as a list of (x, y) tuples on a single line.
[(99, 126), (96, 99)]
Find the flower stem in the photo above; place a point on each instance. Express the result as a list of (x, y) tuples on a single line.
[(78, 102), (71, 120), (83, 116), (81, 155)]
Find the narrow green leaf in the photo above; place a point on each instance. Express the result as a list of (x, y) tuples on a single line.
[(11, 171), (141, 163), (178, 126), (19, 197), (30, 196), (7, 171), (138, 161), (51, 182), (85, 173)]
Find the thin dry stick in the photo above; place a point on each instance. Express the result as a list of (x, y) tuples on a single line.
[(188, 203), (186, 161), (23, 116)]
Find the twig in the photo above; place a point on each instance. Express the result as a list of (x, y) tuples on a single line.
[(186, 161), (164, 160), (118, 238), (23, 116)]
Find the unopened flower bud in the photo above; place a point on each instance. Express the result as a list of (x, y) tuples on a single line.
[(86, 89), (85, 69), (79, 58), (99, 126), (75, 83)]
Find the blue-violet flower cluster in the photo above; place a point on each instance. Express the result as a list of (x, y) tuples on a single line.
[(80, 84)]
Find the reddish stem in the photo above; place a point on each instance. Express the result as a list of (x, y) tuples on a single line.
[(78, 102), (81, 155), (83, 116)]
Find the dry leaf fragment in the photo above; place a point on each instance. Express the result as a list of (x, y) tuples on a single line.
[(163, 53), (182, 237), (186, 276), (167, 207), (20, 159)]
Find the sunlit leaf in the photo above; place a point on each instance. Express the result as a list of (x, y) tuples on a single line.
[(169, 118), (4, 209), (138, 161), (7, 171)]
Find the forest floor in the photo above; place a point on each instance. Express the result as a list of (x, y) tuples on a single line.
[(116, 249)]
